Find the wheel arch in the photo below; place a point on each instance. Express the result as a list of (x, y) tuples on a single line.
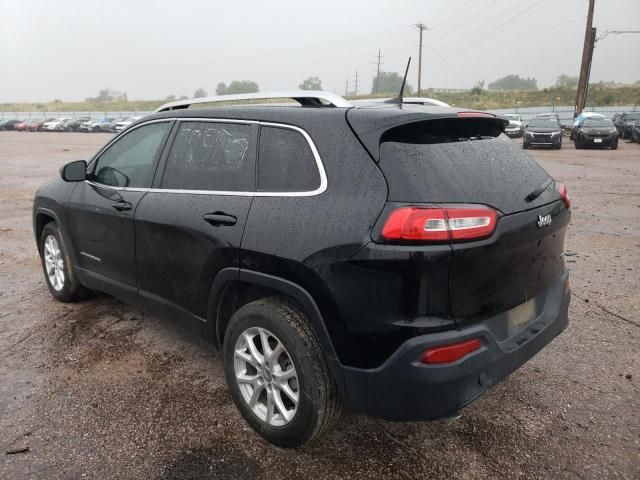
[(43, 216), (234, 287)]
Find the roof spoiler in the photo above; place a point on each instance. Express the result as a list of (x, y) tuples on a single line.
[(314, 98)]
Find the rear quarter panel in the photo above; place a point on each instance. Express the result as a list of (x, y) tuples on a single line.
[(305, 239)]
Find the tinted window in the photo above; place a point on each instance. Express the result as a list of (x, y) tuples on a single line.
[(129, 162), (285, 162), (211, 156), (459, 161)]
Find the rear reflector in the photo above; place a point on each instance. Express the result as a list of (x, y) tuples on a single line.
[(450, 353), (440, 224), (562, 190)]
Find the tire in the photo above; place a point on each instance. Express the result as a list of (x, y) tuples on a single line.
[(64, 287), (525, 146), (283, 324), (614, 145), (577, 145)]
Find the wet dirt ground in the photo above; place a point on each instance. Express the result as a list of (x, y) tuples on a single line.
[(102, 390)]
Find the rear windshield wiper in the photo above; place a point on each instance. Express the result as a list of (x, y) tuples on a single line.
[(538, 191)]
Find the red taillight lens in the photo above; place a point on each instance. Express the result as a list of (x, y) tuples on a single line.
[(440, 224), (562, 190), (450, 353)]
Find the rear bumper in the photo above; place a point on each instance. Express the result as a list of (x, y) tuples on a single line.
[(604, 141), (403, 389)]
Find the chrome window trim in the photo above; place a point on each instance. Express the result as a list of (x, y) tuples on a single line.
[(323, 175)]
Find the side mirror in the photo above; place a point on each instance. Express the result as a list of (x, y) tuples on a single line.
[(74, 171)]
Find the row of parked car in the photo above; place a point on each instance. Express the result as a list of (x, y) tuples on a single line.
[(67, 124), (589, 129)]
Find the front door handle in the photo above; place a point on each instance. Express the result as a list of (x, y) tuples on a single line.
[(122, 206), (218, 219)]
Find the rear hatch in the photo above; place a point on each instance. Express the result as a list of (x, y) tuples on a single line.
[(468, 160)]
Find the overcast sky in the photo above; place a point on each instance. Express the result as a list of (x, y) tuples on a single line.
[(69, 49)]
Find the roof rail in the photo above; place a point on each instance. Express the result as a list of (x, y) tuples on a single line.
[(303, 97)]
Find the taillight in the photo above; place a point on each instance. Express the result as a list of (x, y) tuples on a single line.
[(562, 190), (450, 353), (440, 224)]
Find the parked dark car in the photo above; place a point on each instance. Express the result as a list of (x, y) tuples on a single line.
[(596, 132), (544, 131), (9, 124), (635, 132), (398, 260), (73, 124), (625, 122)]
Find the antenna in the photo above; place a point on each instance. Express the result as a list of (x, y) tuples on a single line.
[(398, 99)]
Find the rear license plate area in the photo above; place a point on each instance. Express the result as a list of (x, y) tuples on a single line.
[(518, 317)]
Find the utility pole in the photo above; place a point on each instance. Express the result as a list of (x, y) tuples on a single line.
[(355, 93), (346, 89), (585, 66), (376, 86), (420, 27)]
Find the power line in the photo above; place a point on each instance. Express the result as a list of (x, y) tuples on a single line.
[(615, 32)]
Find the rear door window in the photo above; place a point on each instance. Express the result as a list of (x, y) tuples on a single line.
[(211, 156), (286, 162)]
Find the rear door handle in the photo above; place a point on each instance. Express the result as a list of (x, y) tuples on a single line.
[(218, 219), (122, 206)]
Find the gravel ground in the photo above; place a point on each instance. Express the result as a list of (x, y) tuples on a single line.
[(102, 390)]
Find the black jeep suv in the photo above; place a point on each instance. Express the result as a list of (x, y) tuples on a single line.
[(397, 260)]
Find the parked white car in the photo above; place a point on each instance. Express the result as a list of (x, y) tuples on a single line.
[(53, 125), (125, 123)]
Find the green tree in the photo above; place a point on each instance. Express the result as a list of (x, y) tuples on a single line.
[(199, 93), (390, 83), (514, 82), (311, 83), (568, 82), (183, 97), (237, 86), (170, 98)]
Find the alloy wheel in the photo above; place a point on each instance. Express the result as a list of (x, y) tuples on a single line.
[(266, 376), (54, 263)]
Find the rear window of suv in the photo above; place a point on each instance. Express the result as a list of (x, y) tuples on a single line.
[(211, 156), (286, 162), (459, 161)]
